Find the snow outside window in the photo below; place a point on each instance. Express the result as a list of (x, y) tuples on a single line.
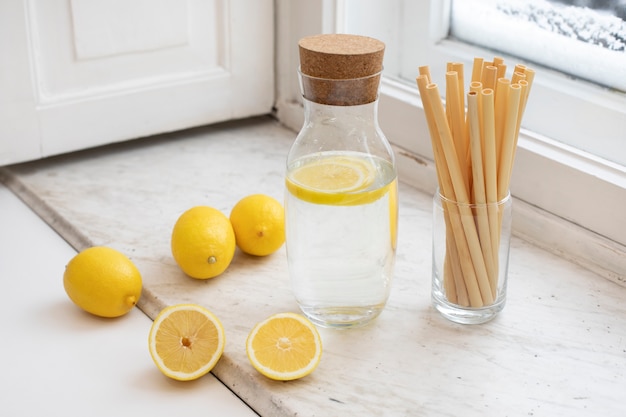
[(582, 38)]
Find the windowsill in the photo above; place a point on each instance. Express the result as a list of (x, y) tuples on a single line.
[(557, 348)]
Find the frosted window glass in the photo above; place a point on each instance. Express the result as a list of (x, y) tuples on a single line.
[(586, 39)]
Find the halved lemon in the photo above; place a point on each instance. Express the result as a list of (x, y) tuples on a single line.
[(284, 347), (186, 341)]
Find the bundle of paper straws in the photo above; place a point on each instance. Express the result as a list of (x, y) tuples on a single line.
[(474, 150)]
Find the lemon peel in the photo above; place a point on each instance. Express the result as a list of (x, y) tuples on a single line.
[(203, 242), (102, 281), (259, 224)]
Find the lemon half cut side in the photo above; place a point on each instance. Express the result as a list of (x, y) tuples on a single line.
[(186, 341), (285, 346)]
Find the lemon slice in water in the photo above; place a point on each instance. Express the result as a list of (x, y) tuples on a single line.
[(340, 174), (335, 180)]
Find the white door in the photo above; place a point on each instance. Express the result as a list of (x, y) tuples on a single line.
[(80, 73)]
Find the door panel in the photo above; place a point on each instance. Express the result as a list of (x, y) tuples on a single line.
[(117, 26), (102, 71)]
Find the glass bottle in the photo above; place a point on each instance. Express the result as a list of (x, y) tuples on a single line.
[(341, 188)]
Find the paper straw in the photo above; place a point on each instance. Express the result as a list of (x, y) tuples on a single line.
[(476, 86), (477, 69), (530, 74), (482, 215), (458, 68), (498, 62), (491, 179), (489, 76), (452, 256), (489, 136), (530, 77), (519, 68), (501, 71), (422, 83), (425, 70), (456, 119), (449, 286), (517, 76), (507, 154), (500, 103)]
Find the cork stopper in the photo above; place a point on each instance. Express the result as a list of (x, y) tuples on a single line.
[(340, 69)]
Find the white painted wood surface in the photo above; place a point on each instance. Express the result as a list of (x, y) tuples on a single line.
[(82, 73), (558, 348)]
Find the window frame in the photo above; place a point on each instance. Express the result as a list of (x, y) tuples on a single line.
[(567, 201)]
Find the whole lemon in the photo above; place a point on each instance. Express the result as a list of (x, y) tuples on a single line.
[(203, 242), (259, 224), (102, 281)]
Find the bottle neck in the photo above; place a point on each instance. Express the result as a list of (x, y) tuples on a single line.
[(341, 128), (352, 116)]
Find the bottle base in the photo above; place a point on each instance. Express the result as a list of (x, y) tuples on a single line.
[(467, 315), (342, 317)]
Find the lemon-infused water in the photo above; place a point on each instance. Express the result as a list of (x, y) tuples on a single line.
[(341, 229), (341, 198)]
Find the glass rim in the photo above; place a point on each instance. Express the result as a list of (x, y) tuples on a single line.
[(507, 199)]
